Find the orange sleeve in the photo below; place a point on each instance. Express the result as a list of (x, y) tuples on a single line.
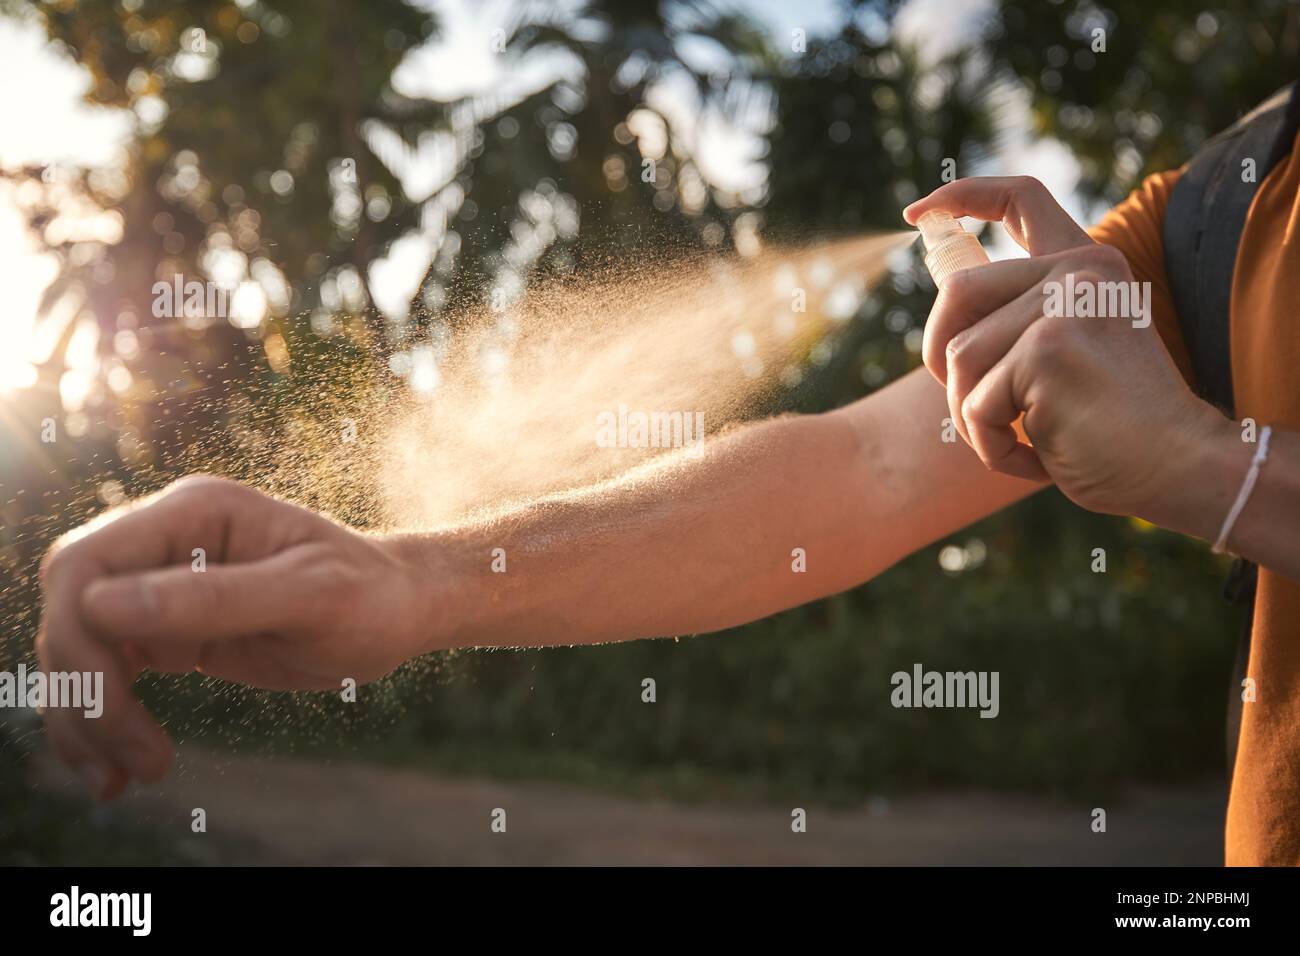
[(1136, 228)]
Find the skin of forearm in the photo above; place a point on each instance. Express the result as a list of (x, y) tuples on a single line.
[(683, 545), (696, 544)]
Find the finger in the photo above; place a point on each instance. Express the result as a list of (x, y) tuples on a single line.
[(182, 607), (159, 530), (123, 734), (972, 294), (101, 777), (164, 528), (990, 412), (973, 352), (1021, 203)]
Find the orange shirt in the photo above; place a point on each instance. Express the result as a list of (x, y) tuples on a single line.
[(1263, 825)]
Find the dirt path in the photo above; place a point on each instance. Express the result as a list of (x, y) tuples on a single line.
[(300, 811)]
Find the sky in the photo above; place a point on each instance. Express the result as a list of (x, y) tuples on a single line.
[(40, 95)]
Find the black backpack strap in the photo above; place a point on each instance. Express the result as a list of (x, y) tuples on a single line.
[(1202, 230)]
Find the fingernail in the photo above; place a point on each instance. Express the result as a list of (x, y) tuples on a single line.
[(94, 778)]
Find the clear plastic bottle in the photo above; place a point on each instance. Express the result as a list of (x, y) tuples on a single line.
[(948, 247)]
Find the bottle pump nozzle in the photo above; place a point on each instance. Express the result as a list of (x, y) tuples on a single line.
[(948, 247)]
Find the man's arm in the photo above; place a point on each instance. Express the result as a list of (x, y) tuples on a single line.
[(1111, 419), (694, 544), (292, 600)]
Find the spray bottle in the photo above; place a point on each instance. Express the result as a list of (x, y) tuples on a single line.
[(948, 247)]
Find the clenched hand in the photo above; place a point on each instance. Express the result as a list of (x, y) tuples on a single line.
[(286, 600)]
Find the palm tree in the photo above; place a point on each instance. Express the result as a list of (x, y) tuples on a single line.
[(589, 163)]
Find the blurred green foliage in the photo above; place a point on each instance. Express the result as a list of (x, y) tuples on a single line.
[(1111, 677), (1173, 73)]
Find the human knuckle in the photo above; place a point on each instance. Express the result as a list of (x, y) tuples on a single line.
[(1088, 277), (205, 488), (1029, 184), (199, 479), (61, 555), (1106, 259), (957, 354), (959, 344), (1063, 264), (1047, 340)]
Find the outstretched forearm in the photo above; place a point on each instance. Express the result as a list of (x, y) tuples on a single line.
[(771, 515), (683, 545)]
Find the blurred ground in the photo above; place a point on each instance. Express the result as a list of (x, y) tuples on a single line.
[(300, 812)]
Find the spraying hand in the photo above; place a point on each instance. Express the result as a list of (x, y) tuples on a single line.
[(1111, 420), (213, 576)]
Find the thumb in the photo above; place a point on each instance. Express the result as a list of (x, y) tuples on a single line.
[(180, 605), (1022, 204)]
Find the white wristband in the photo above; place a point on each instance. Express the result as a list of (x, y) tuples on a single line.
[(1247, 486)]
